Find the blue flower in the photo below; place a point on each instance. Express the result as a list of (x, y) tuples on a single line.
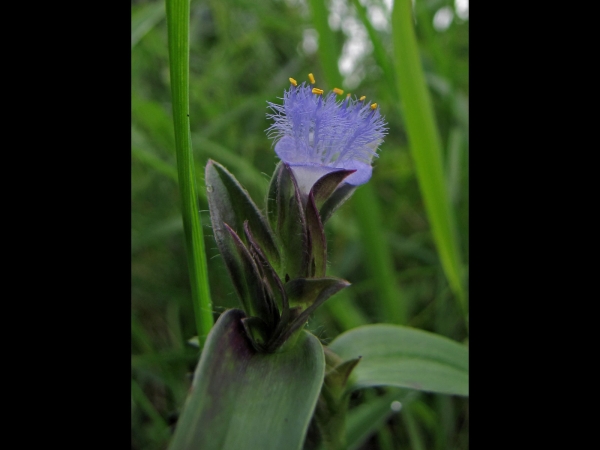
[(318, 134)]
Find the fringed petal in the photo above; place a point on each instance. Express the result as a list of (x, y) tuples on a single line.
[(317, 134)]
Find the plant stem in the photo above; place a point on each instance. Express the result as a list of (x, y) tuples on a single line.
[(178, 23)]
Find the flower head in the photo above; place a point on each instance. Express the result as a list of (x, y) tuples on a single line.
[(318, 134)]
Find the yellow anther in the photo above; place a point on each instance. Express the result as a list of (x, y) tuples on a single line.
[(362, 98), (311, 78), (317, 91), (348, 95), (338, 91), (374, 105), (294, 82)]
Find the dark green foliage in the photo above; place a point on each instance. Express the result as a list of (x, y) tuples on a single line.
[(301, 237), (325, 187), (417, 360), (336, 200), (242, 53), (318, 243), (230, 203), (253, 293), (323, 191), (289, 222)]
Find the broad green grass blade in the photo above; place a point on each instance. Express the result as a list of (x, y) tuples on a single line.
[(144, 18), (178, 21), (377, 251), (425, 143), (453, 164), (241, 399), (394, 355)]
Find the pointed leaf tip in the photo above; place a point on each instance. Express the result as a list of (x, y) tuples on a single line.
[(394, 355), (229, 202), (327, 184), (343, 192), (309, 293), (337, 378)]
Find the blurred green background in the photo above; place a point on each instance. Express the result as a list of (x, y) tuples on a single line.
[(242, 53)]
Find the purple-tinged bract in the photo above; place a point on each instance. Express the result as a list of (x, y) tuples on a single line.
[(318, 134)]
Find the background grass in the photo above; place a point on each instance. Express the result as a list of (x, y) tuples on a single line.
[(241, 55)]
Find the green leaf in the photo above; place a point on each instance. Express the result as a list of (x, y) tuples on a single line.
[(308, 291), (287, 214), (327, 184), (257, 330), (242, 399), (317, 239), (273, 283), (332, 406), (337, 199), (337, 371), (400, 356), (250, 284), (229, 202), (273, 197), (232, 258), (425, 146)]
